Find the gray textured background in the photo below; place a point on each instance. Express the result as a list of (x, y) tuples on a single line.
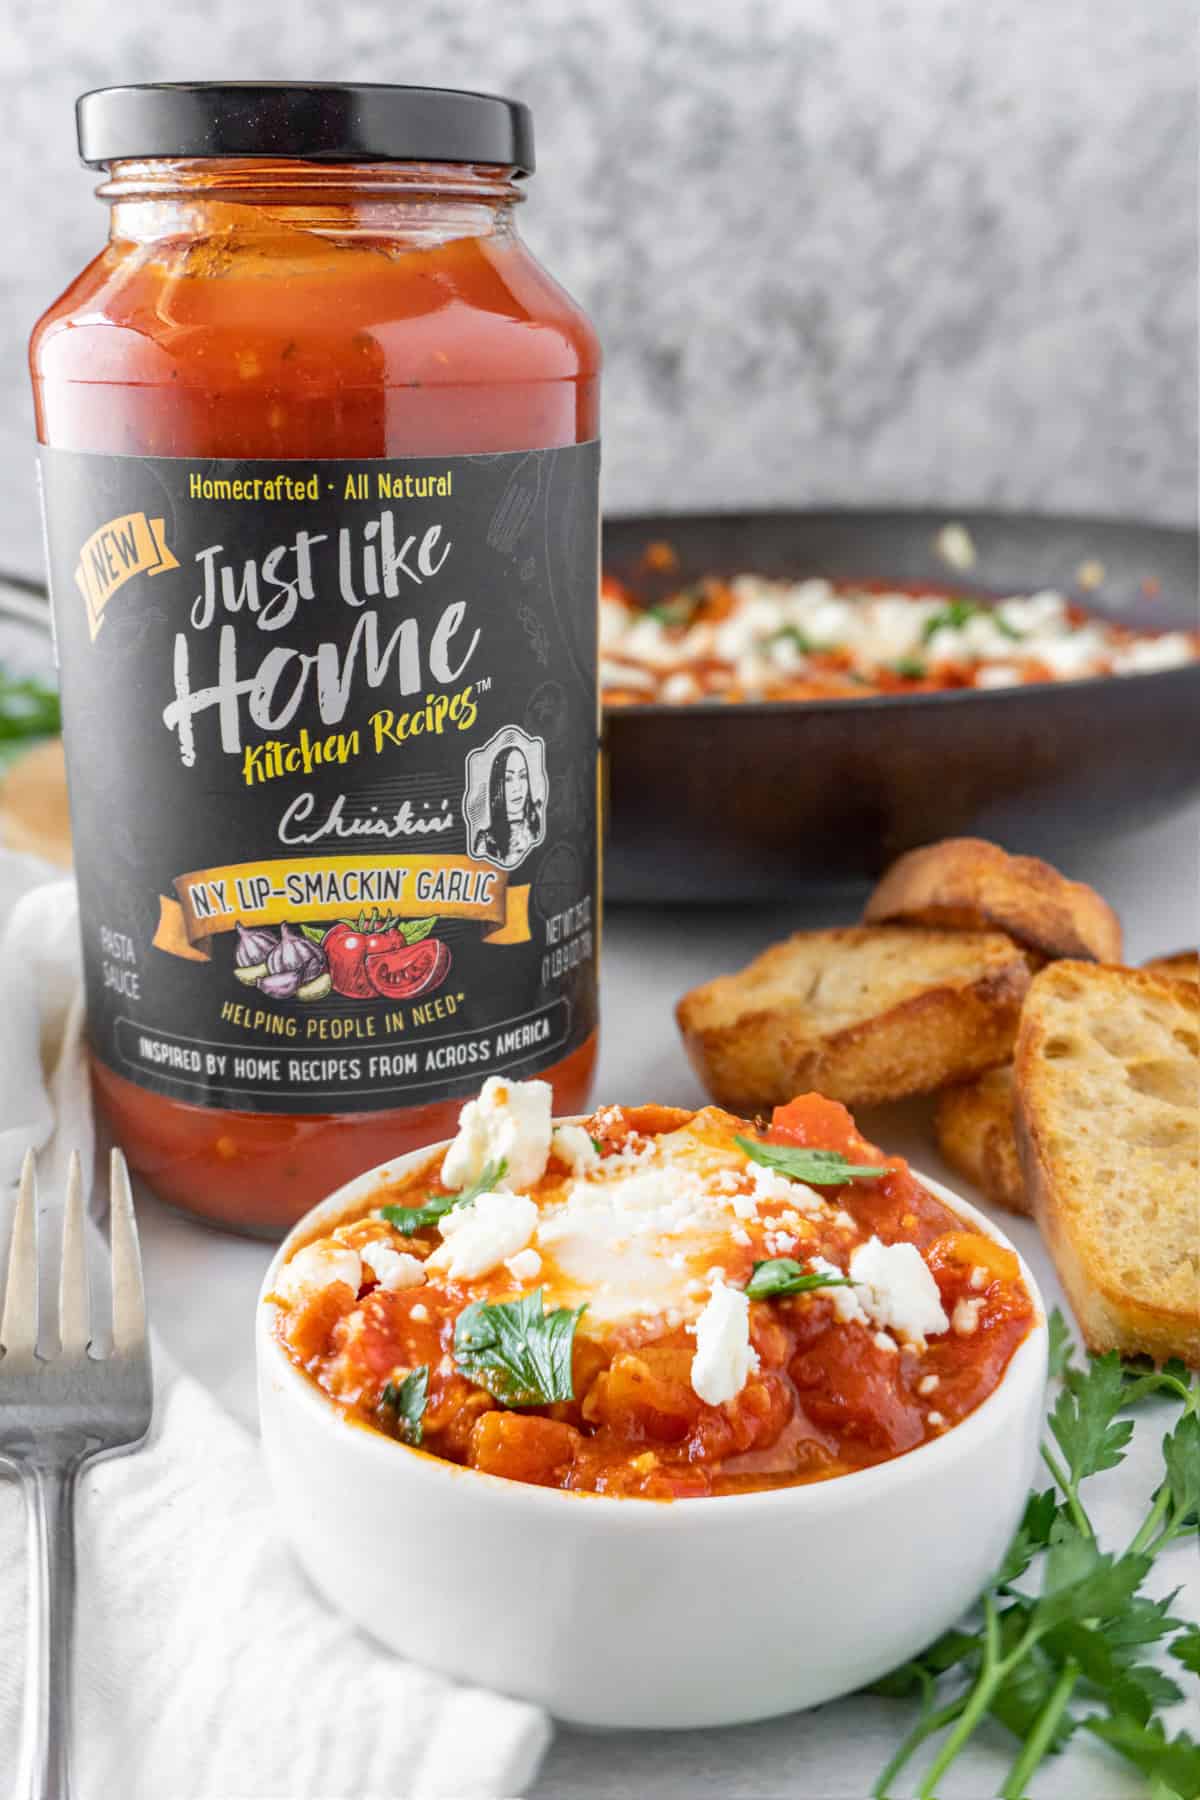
[(840, 250)]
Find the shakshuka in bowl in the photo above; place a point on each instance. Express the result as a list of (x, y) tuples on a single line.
[(655, 1418)]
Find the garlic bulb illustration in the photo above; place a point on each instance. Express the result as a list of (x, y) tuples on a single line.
[(254, 946)]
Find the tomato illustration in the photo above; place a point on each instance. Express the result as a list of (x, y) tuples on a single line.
[(345, 949), (350, 950), (411, 970)]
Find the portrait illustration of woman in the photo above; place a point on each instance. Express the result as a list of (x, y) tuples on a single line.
[(514, 821)]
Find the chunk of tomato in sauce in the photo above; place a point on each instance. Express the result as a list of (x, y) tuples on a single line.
[(855, 1390), (645, 1396), (815, 1123), (523, 1447), (893, 1206)]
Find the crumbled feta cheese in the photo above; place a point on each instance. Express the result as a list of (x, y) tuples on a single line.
[(678, 689), (615, 619), (769, 1185), (979, 1278), (509, 1123), (393, 1269), (1169, 651), (626, 675), (724, 1358), (1043, 612), (999, 675), (648, 640), (927, 1385), (319, 1266), (955, 545), (573, 1145), (479, 1237), (844, 1300), (935, 1419), (419, 1313), (966, 1317), (1074, 655), (884, 1342), (526, 1265), (747, 625), (897, 1290)]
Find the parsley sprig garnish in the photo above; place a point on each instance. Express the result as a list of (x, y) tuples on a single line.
[(679, 610), (1066, 1656), (958, 613), (517, 1350), (792, 634), (783, 1275), (409, 1219), (817, 1168), (402, 1405)]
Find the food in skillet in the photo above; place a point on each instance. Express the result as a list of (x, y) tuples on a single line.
[(754, 638), (655, 1303)]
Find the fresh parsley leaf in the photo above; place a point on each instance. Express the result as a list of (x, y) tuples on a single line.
[(1104, 1588), (952, 1648), (818, 1168), (680, 609), (1084, 1422), (911, 667), (782, 1275), (958, 613), (1186, 1648), (791, 634), (1031, 1538), (28, 708), (1174, 1761), (413, 930), (1139, 1690), (1039, 1662), (898, 1684), (598, 1146), (517, 1350), (1062, 1346), (1024, 1694), (404, 1402), (1181, 1454), (409, 1219)]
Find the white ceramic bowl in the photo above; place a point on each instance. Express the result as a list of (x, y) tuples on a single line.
[(631, 1612)]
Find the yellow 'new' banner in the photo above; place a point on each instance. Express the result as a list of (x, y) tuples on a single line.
[(325, 888), (131, 545)]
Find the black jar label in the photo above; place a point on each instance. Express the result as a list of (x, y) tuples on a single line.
[(331, 738)]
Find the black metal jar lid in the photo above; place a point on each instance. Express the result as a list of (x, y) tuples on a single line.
[(313, 121)]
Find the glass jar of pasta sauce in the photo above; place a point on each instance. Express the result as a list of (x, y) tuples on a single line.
[(319, 465)]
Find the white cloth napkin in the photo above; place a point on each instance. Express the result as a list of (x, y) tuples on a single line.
[(207, 1669)]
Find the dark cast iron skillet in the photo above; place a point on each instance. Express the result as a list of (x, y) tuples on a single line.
[(762, 801)]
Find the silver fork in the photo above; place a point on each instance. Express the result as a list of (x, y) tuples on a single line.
[(58, 1413)]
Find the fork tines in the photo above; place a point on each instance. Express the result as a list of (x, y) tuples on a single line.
[(21, 1318)]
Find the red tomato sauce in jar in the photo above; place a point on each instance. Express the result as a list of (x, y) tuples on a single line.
[(328, 288), (856, 1323)]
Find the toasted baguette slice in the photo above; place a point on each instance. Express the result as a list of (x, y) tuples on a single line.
[(976, 1134), (862, 1014), (33, 804), (970, 884), (1184, 965), (1108, 1129)]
